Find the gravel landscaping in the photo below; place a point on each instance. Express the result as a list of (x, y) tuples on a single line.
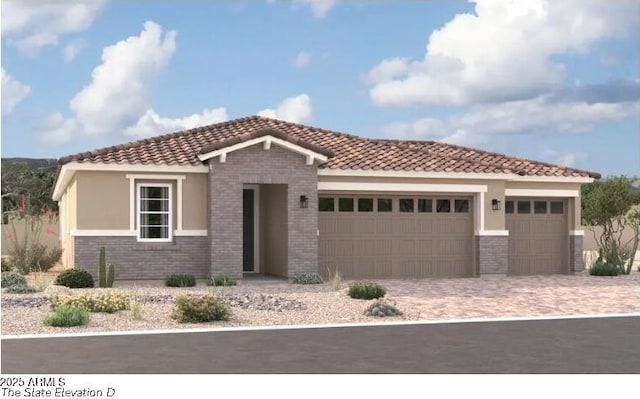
[(280, 303)]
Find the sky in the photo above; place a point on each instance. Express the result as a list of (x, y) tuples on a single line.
[(554, 81)]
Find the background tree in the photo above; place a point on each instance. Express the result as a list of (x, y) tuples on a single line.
[(608, 204), (27, 188)]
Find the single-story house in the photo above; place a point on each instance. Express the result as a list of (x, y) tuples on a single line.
[(259, 195)]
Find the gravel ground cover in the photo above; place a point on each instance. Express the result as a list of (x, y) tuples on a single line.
[(281, 303)]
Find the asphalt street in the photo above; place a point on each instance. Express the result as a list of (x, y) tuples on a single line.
[(590, 345)]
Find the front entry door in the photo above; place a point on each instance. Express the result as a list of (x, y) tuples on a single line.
[(248, 230)]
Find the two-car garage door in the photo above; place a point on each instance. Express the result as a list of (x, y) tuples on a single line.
[(378, 236)]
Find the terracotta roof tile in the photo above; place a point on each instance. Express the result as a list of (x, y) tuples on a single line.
[(345, 151)]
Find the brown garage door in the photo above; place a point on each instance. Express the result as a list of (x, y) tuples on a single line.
[(391, 237), (538, 235)]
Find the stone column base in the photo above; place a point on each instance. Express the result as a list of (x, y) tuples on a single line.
[(492, 255)]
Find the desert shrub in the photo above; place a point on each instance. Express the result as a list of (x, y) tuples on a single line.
[(40, 281), (308, 278), (603, 269), (106, 303), (382, 309), (6, 265), (200, 309), (67, 316), (75, 278), (12, 278), (21, 289), (336, 280), (180, 280), (35, 257), (365, 290), (221, 280)]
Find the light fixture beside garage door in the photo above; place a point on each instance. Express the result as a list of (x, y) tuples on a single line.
[(304, 201), (495, 204)]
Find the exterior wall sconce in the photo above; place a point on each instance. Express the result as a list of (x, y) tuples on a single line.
[(495, 204), (304, 201)]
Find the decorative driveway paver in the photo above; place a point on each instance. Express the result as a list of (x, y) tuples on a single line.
[(518, 296)]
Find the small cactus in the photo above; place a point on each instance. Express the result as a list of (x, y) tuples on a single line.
[(102, 266), (111, 274), (382, 309)]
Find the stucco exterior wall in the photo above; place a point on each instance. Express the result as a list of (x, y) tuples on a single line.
[(103, 200), (254, 165)]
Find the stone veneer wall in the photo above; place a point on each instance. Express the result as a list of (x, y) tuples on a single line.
[(576, 263), (492, 254), (141, 260), (255, 165)]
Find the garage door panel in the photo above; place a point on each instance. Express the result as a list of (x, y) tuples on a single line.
[(398, 244), (538, 242)]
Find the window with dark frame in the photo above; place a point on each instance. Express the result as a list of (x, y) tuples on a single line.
[(326, 204), (345, 204), (154, 208), (365, 204), (540, 207), (508, 207), (524, 207), (443, 205), (557, 207), (385, 205), (425, 205), (406, 205), (461, 206)]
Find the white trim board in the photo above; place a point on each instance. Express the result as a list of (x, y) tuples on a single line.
[(267, 141), (132, 233), (525, 192), (492, 233), (402, 187), (451, 175), (132, 196), (576, 232)]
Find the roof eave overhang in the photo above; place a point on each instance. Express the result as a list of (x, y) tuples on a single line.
[(452, 175), (267, 141)]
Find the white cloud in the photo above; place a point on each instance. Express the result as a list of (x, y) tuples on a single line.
[(71, 50), (563, 158), (57, 130), (13, 92), (151, 124), (293, 109), (484, 122), (319, 8), (302, 59), (33, 24), (503, 52)]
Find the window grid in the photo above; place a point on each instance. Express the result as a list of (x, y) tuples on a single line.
[(160, 231)]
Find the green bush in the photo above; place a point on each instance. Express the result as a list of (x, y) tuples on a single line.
[(308, 278), (6, 265), (200, 309), (75, 278), (603, 269), (382, 309), (67, 316), (106, 303), (221, 280), (12, 278), (21, 289), (365, 290), (180, 280)]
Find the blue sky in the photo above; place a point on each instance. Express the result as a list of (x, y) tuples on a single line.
[(556, 81)]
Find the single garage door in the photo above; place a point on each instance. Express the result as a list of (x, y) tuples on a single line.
[(538, 236), (395, 236)]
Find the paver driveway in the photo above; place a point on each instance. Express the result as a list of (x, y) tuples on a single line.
[(517, 296)]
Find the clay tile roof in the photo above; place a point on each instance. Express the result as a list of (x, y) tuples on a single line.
[(344, 151)]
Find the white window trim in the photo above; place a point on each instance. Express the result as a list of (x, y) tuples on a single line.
[(524, 192), (133, 195), (139, 186)]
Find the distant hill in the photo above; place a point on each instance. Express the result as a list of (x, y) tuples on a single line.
[(36, 163)]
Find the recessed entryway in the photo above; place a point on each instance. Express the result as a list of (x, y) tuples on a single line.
[(250, 229)]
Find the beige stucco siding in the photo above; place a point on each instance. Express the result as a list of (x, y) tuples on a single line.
[(194, 200), (103, 200), (494, 220)]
